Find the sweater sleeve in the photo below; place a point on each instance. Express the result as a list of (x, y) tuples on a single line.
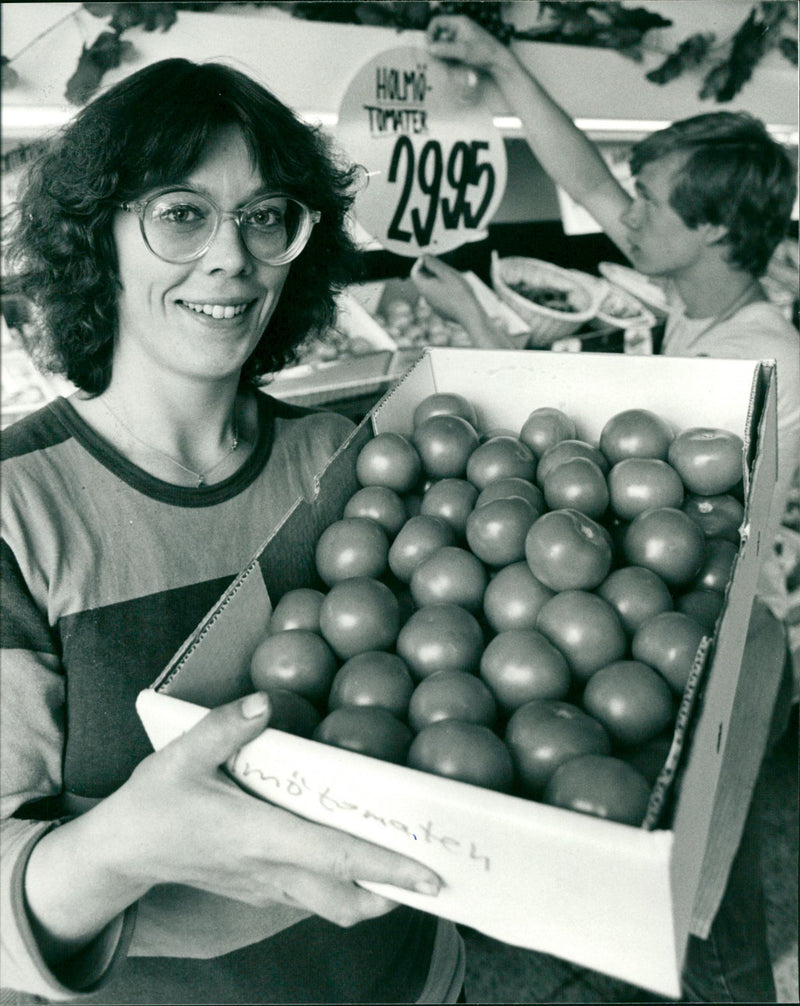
[(31, 741)]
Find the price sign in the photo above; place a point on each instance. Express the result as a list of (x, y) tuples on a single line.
[(437, 165)]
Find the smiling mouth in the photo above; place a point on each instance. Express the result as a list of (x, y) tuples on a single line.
[(218, 311)]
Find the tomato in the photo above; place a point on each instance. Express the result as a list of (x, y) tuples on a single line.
[(418, 538), (513, 597), (297, 609), (520, 665), (577, 484), (359, 614), (445, 403), (389, 460), (545, 733), (708, 460), (566, 450), (451, 695), (636, 594), (568, 551), (445, 443), (468, 752), (635, 433), (631, 700), (497, 530), (291, 713), (717, 568), (296, 659), (368, 730), (666, 541), (668, 642), (373, 678), (451, 575), (702, 605), (601, 786), (717, 516), (545, 427), (500, 458), (512, 487), (638, 484), (380, 504), (585, 628), (452, 500), (352, 546), (440, 637)]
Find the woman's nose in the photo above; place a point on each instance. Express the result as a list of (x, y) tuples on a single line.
[(227, 250)]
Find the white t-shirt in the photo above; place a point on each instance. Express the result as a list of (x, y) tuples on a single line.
[(757, 331)]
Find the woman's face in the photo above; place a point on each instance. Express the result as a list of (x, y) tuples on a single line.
[(201, 319)]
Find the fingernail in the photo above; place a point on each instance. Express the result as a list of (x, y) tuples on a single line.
[(254, 705), (429, 887)]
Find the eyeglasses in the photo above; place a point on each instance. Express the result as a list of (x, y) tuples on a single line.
[(178, 225)]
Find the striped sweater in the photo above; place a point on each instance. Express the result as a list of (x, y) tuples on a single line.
[(105, 572)]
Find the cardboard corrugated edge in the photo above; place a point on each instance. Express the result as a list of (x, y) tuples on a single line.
[(266, 577)]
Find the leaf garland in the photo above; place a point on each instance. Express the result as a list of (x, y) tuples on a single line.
[(770, 24)]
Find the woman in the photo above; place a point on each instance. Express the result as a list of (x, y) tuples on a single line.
[(183, 235)]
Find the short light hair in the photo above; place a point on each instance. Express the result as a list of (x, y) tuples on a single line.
[(734, 174)]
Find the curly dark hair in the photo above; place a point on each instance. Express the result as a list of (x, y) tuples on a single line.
[(149, 130), (734, 175)]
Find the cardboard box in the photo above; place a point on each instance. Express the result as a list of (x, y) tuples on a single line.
[(610, 897)]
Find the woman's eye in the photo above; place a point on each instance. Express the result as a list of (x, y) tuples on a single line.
[(265, 216), (182, 213)]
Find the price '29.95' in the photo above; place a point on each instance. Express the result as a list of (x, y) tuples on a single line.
[(437, 187)]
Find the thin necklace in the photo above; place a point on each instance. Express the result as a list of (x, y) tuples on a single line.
[(201, 477), (749, 293)]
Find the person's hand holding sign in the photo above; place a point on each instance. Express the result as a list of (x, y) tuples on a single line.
[(451, 296), (460, 39)]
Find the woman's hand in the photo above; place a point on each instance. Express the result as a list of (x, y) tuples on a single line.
[(180, 819), (460, 39)]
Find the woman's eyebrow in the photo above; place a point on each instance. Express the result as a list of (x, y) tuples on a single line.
[(260, 191)]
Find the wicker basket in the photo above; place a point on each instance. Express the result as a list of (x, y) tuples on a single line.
[(546, 324), (618, 307)]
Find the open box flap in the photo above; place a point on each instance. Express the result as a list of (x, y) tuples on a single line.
[(736, 722), (213, 667), (720, 391), (700, 881), (481, 857)]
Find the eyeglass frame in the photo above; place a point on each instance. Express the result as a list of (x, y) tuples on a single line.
[(139, 207)]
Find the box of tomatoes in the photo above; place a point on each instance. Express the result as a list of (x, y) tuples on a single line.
[(518, 553)]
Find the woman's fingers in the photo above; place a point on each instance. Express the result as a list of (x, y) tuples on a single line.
[(341, 904), (221, 733), (345, 858)]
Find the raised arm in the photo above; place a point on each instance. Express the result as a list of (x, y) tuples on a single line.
[(566, 153)]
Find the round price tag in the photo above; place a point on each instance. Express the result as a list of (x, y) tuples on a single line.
[(437, 165)]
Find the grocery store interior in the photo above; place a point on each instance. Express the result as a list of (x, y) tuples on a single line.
[(384, 325)]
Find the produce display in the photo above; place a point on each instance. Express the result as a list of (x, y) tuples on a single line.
[(515, 610), (546, 296), (336, 345)]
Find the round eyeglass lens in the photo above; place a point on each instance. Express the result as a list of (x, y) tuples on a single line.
[(179, 225)]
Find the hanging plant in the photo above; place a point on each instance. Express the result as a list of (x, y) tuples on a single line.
[(771, 24)]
